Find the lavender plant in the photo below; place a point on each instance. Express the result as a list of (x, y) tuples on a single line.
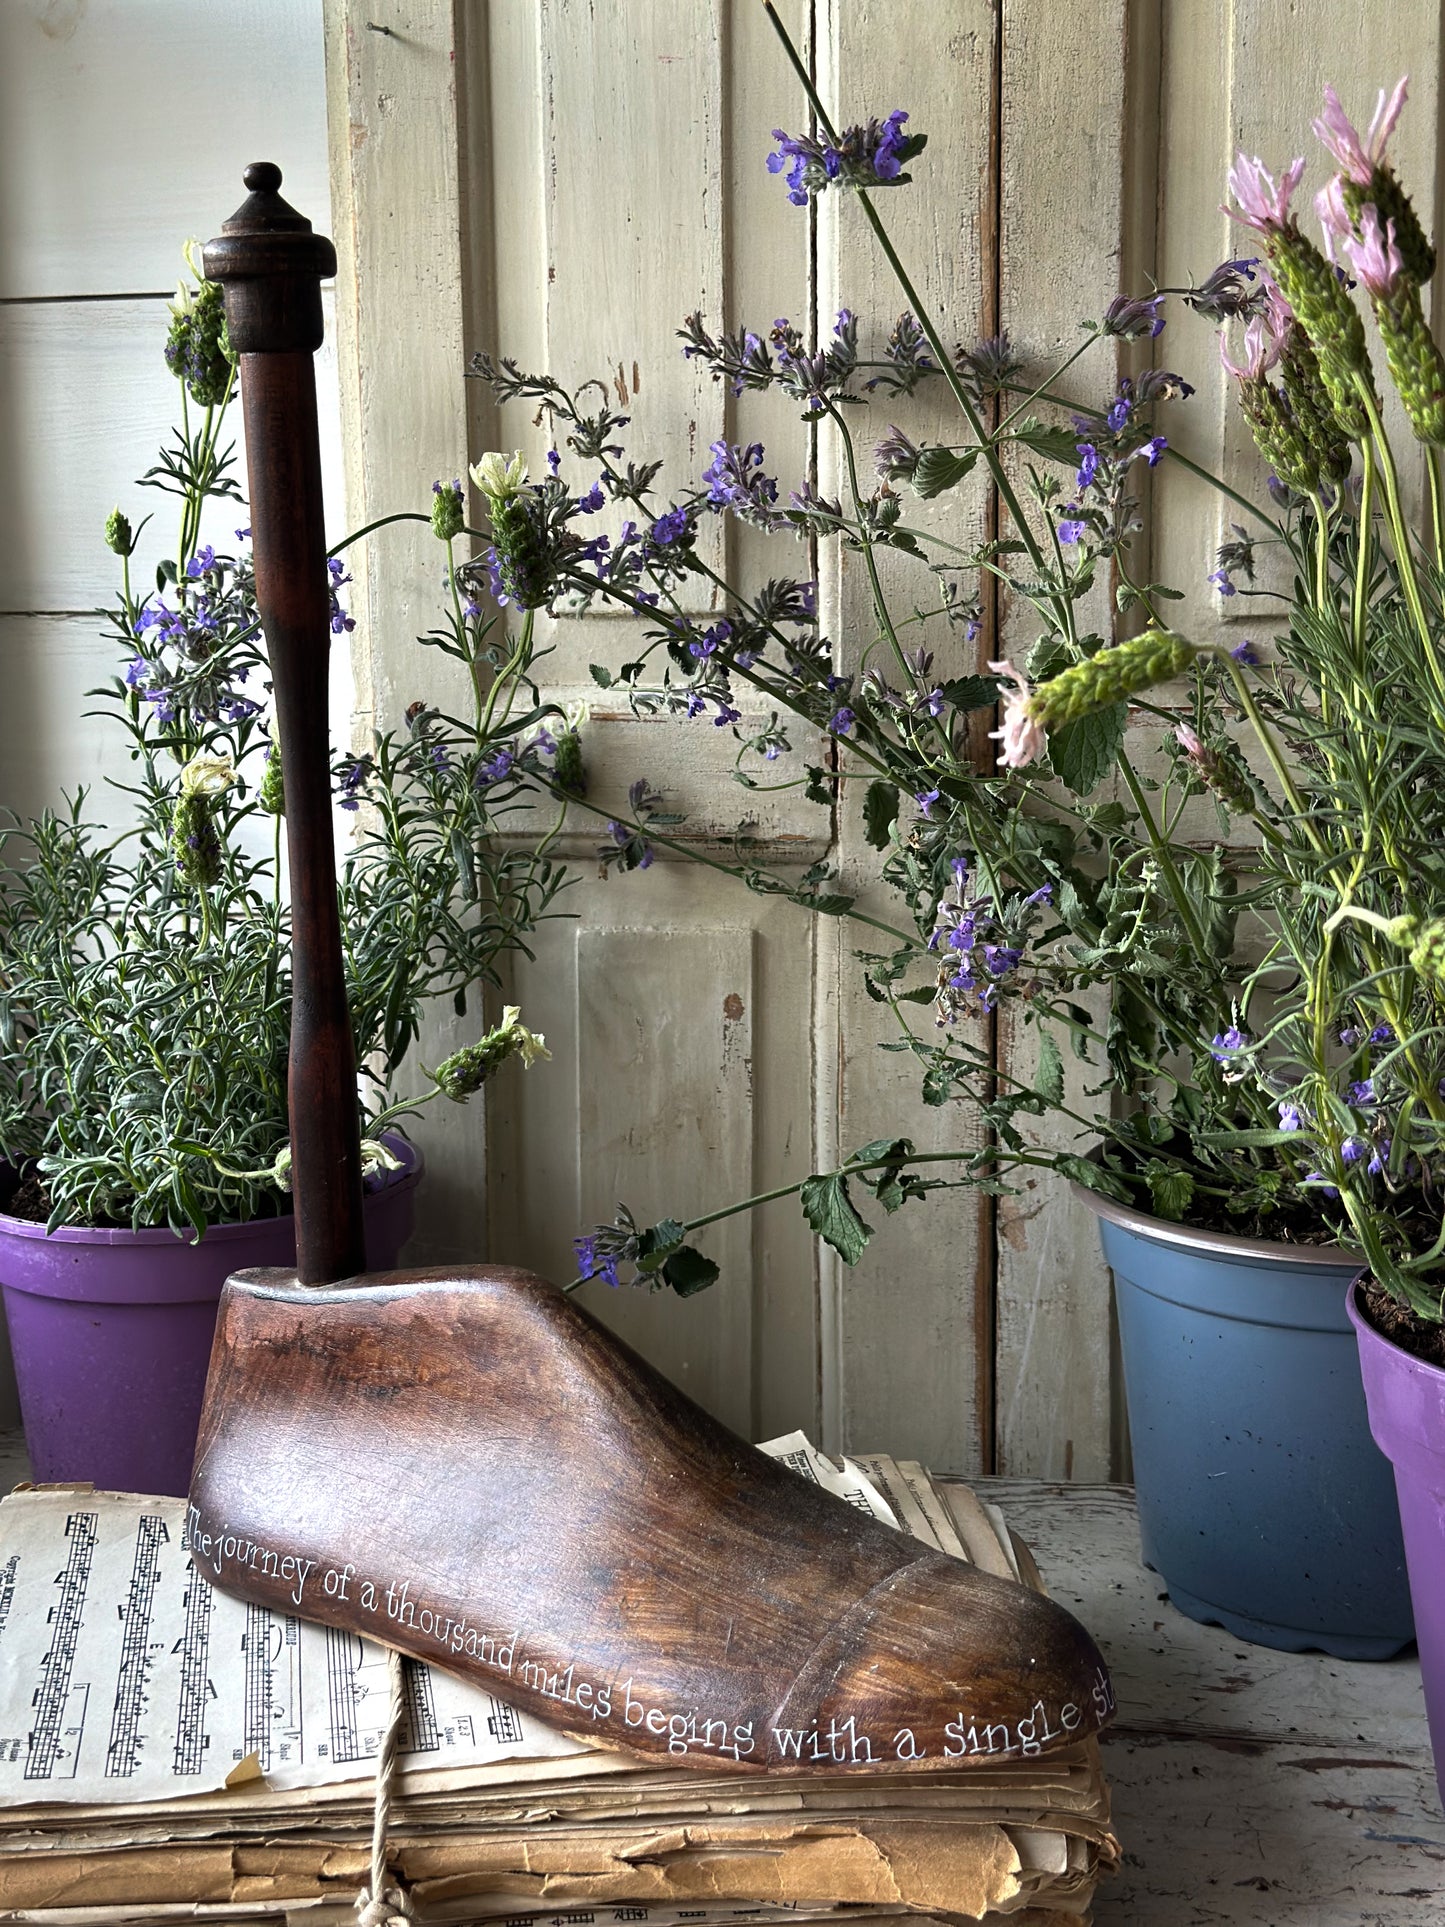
[(1272, 1055), (145, 990)]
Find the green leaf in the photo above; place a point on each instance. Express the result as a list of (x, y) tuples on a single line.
[(819, 788), (832, 1214), (1049, 1078), (657, 1244), (1048, 439), (937, 1085), (1085, 750), (880, 813), (941, 468), (1171, 1191), (688, 1271), (971, 692), (1093, 1177), (1260, 1140), (602, 677)]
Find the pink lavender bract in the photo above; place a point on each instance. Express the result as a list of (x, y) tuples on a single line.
[(1358, 158), (1262, 205), (1374, 257), (1023, 740)]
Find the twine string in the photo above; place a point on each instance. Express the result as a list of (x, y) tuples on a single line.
[(378, 1905)]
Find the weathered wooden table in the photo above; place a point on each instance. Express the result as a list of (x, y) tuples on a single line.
[(1251, 1788)]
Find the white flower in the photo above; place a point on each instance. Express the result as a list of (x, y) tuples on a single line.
[(529, 1045), (500, 476), (207, 776), (1024, 740)]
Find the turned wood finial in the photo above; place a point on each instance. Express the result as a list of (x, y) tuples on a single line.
[(271, 265)]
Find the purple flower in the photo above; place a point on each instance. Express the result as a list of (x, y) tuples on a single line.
[(1070, 531), (1001, 958), (1380, 1158), (1228, 1044), (593, 500), (959, 867), (136, 672), (1291, 1117), (1044, 894), (1353, 1149), (1382, 1034), (495, 768), (735, 480), (1088, 464), (353, 775), (1245, 652), (671, 527), (1362, 1092), (592, 1263), (1318, 1178), (725, 714), (1221, 581), (1119, 413), (1129, 318), (925, 799), (243, 535), (202, 560), (840, 722), (1350, 1036), (1154, 449), (554, 460), (870, 154)]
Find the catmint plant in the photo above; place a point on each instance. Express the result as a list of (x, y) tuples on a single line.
[(145, 988), (1209, 873)]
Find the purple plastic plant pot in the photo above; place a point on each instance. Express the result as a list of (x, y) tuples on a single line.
[(1406, 1400), (111, 1332)]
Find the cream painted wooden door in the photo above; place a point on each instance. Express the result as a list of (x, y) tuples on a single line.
[(564, 181)]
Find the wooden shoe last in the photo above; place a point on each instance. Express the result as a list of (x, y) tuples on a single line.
[(465, 1465)]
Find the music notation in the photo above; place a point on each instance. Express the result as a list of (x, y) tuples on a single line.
[(137, 1654), (56, 1721), (196, 1690)]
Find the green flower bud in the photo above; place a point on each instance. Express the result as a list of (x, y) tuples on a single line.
[(465, 1071), (195, 841), (1416, 366), (1310, 410), (272, 794), (1331, 323), (119, 536), (1427, 952), (198, 346), (517, 521), (1277, 435), (448, 510), (1114, 674), (568, 770), (1392, 203)]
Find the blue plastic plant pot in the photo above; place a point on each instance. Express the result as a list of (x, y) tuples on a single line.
[(1264, 1503)]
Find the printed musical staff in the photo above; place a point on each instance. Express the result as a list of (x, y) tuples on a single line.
[(55, 1720), (137, 1656)]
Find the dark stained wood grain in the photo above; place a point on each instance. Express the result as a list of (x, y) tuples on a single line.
[(467, 1466), (270, 265)]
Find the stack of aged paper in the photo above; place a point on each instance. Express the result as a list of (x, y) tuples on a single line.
[(167, 1753)]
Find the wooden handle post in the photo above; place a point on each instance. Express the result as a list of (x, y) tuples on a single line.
[(271, 266)]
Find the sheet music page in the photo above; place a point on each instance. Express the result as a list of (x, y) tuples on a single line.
[(124, 1676)]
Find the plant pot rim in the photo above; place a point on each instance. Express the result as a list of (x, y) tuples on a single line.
[(80, 1234), (1224, 1244), (1365, 1332)]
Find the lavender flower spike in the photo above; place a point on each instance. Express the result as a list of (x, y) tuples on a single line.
[(1262, 205), (1358, 158)]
